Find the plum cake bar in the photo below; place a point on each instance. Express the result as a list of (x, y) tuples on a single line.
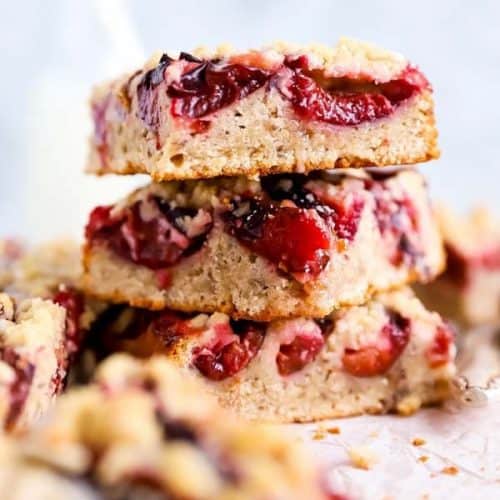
[(390, 354), (469, 290), (287, 245), (144, 431), (281, 109)]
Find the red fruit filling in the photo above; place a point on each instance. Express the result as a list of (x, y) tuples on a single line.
[(72, 301), (150, 232), (439, 352), (291, 227), (206, 86), (144, 333), (297, 240), (345, 101), (343, 214), (373, 360), (20, 387), (232, 350), (398, 222), (212, 85), (296, 354)]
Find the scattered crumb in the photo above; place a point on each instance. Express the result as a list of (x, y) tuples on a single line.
[(341, 245), (373, 434), (418, 442), (319, 434), (423, 458), (450, 470), (409, 405), (363, 457), (333, 430)]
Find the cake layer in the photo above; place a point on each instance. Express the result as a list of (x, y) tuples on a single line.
[(469, 290), (388, 355), (281, 109), (287, 245), (145, 430)]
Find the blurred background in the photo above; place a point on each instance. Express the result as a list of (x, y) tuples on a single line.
[(53, 51)]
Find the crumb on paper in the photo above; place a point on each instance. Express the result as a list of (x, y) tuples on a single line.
[(418, 441), (451, 470), (423, 459), (333, 430), (362, 457), (319, 434), (409, 405)]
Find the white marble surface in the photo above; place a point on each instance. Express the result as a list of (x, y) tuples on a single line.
[(51, 52)]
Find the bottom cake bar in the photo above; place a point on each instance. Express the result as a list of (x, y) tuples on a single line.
[(143, 430), (33, 359), (388, 355)]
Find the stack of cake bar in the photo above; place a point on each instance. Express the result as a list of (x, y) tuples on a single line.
[(270, 254)]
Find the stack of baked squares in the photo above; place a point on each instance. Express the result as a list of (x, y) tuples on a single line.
[(270, 254)]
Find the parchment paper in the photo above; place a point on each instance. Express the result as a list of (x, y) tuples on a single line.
[(444, 453)]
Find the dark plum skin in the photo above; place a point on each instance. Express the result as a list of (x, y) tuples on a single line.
[(157, 243), (207, 86), (290, 226)]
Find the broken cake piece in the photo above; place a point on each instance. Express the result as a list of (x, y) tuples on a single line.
[(145, 430), (35, 350), (468, 292), (43, 319)]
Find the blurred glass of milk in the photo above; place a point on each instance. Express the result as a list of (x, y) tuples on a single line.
[(58, 194)]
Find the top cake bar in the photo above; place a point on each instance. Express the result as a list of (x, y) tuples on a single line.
[(285, 108)]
